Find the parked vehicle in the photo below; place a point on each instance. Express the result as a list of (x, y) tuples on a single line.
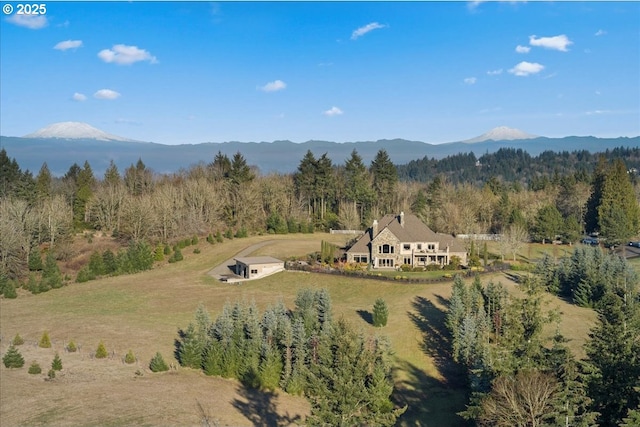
[(635, 244), (590, 241)]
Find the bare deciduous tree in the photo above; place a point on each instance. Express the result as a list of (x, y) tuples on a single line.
[(521, 401)]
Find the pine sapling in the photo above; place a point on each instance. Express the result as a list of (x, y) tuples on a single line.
[(130, 357), (13, 358), (45, 342), (35, 369), (158, 364), (101, 351), (56, 365), (17, 340)]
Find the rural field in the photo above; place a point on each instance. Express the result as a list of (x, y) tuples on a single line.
[(143, 312)]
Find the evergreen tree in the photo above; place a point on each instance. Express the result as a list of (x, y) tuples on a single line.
[(12, 358), (51, 276), (357, 184), (549, 224), (270, 367), (111, 175), (304, 180), (221, 166), (191, 348), (614, 353), (17, 340), (84, 191), (323, 307), (35, 368), (45, 342), (71, 347), (385, 179), (380, 313), (158, 364), (101, 351), (240, 172), (35, 259), (618, 211), (43, 183), (96, 264), (109, 262), (341, 388), (56, 364), (129, 358)]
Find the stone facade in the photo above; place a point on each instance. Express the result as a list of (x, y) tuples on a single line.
[(404, 240)]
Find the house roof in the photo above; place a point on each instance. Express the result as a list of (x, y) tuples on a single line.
[(258, 260), (414, 230)]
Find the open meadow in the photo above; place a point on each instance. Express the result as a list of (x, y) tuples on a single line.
[(143, 312)]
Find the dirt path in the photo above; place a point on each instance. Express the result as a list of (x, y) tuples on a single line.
[(226, 269)]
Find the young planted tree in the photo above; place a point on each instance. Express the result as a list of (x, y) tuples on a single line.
[(380, 313), (158, 364), (56, 364), (45, 342), (17, 340), (35, 368), (101, 351), (130, 358), (12, 358)]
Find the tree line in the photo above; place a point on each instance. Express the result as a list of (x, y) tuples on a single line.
[(229, 196)]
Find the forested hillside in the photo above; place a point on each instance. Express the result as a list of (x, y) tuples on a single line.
[(514, 165), (544, 198)]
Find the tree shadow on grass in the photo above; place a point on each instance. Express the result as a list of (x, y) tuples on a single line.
[(259, 407), (432, 401), (366, 316)]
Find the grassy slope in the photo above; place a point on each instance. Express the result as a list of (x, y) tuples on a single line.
[(143, 312)]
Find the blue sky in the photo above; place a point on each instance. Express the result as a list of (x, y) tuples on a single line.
[(191, 72)]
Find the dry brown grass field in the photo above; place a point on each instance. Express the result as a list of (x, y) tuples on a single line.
[(143, 312)]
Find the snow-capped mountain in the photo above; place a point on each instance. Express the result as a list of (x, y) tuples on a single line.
[(74, 130), (501, 133)]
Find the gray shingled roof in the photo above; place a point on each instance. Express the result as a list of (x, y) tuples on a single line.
[(414, 230), (258, 260)]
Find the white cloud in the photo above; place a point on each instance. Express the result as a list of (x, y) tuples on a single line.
[(79, 97), (68, 44), (525, 68), (364, 30), (556, 42), (522, 49), (32, 22), (106, 94), (273, 86), (600, 33), (470, 80), (125, 55), (495, 72), (333, 111)]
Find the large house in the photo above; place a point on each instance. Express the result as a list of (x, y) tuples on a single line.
[(397, 240)]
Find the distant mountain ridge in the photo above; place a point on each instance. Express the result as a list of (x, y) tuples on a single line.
[(278, 156)]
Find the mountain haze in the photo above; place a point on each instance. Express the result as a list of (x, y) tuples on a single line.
[(62, 144)]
